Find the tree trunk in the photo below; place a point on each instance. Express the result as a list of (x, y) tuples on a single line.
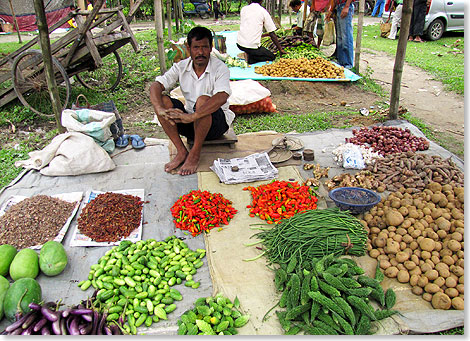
[(159, 30), (279, 10), (360, 23), (41, 22), (131, 4), (168, 13), (400, 59)]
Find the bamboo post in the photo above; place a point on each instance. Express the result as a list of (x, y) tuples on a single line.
[(81, 4), (168, 14), (360, 24), (41, 22), (159, 30), (15, 21), (131, 4), (279, 11), (400, 59)]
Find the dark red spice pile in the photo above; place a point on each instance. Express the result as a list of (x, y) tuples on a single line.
[(110, 217)]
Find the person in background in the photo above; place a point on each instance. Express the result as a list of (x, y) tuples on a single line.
[(205, 84), (417, 20), (253, 18), (344, 31), (216, 9), (298, 8), (378, 8), (316, 18), (396, 19)]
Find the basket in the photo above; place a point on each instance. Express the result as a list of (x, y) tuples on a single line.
[(355, 199)]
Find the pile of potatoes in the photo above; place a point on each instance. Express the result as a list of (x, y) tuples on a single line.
[(302, 68), (418, 238)]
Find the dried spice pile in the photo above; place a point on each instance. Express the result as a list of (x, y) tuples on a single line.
[(200, 211), (110, 217), (34, 221)]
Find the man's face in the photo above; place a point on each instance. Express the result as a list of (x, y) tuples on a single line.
[(200, 51)]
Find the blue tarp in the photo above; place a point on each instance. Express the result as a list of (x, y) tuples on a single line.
[(237, 73)]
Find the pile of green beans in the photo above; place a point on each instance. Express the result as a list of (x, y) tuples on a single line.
[(314, 233), (135, 280)]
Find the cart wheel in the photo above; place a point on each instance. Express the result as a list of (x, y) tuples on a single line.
[(29, 82), (105, 78)]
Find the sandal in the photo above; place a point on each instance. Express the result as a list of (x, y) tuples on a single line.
[(137, 142), (418, 40), (122, 141)]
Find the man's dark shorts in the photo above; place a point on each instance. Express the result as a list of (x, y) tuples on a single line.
[(218, 128)]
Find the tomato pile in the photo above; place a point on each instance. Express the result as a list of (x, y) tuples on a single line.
[(280, 199), (200, 211)]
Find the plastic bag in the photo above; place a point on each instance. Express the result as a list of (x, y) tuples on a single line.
[(352, 158), (262, 106), (247, 91), (329, 33)]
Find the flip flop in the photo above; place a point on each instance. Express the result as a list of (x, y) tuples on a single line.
[(122, 141), (137, 142)]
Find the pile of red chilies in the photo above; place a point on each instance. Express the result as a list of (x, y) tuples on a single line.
[(200, 211), (280, 199)]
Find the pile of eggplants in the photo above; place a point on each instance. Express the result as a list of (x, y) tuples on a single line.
[(46, 319)]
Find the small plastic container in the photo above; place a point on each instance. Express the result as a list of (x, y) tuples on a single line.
[(355, 199)]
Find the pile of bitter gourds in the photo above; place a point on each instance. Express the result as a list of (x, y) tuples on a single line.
[(330, 296)]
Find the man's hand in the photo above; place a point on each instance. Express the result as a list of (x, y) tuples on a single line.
[(174, 116), (328, 16), (282, 52), (344, 12)]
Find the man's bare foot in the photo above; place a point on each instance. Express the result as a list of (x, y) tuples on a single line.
[(178, 160), (189, 166)]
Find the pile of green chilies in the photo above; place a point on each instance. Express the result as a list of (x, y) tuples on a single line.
[(314, 233)]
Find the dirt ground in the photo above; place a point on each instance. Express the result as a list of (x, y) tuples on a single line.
[(424, 97)]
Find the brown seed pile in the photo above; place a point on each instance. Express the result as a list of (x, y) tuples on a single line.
[(110, 217), (34, 221), (301, 68)]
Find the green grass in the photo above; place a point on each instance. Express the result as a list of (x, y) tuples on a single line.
[(441, 58)]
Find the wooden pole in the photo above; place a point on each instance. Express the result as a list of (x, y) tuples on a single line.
[(131, 4), (400, 59), (41, 22), (159, 30), (168, 14), (81, 4), (305, 13), (360, 24), (15, 22)]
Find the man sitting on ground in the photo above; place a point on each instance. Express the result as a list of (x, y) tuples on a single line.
[(205, 84), (253, 18)]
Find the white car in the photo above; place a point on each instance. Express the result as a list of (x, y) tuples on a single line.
[(442, 16)]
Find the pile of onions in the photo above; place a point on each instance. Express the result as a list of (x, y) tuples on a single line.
[(388, 140)]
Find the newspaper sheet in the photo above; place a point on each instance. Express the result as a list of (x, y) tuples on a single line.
[(80, 239), (253, 167), (73, 197)]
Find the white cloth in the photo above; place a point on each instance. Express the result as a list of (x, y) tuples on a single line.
[(300, 16), (216, 78), (69, 153), (252, 20), (396, 18)]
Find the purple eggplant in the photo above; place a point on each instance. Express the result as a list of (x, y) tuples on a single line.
[(28, 331), (34, 306), (96, 319), (81, 311), (66, 312), (102, 324), (45, 330), (56, 326), (49, 314), (29, 321), (63, 327), (18, 323), (115, 329), (17, 331), (107, 330), (87, 317), (41, 323), (73, 327), (85, 329)]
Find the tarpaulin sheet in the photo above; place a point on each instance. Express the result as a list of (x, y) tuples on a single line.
[(249, 72)]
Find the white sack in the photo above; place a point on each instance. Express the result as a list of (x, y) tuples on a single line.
[(94, 123), (69, 153)]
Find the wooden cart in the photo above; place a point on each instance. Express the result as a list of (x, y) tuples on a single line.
[(88, 52)]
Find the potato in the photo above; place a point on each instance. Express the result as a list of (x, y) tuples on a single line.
[(440, 281), (423, 281), (415, 259), (410, 265), (397, 238), (442, 234), (435, 213), (435, 259), (407, 238), (443, 224), (384, 264), (414, 280), (427, 296), (451, 292), (461, 278), (403, 276), (460, 262), (393, 261), (454, 245), (415, 271), (403, 210), (434, 187), (431, 288), (445, 252), (426, 244), (458, 303), (425, 255), (379, 241), (402, 256), (457, 270), (391, 272), (451, 282), (374, 253), (417, 290), (400, 267), (414, 245), (392, 246), (393, 218), (441, 301), (430, 262), (431, 274), (460, 288)]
